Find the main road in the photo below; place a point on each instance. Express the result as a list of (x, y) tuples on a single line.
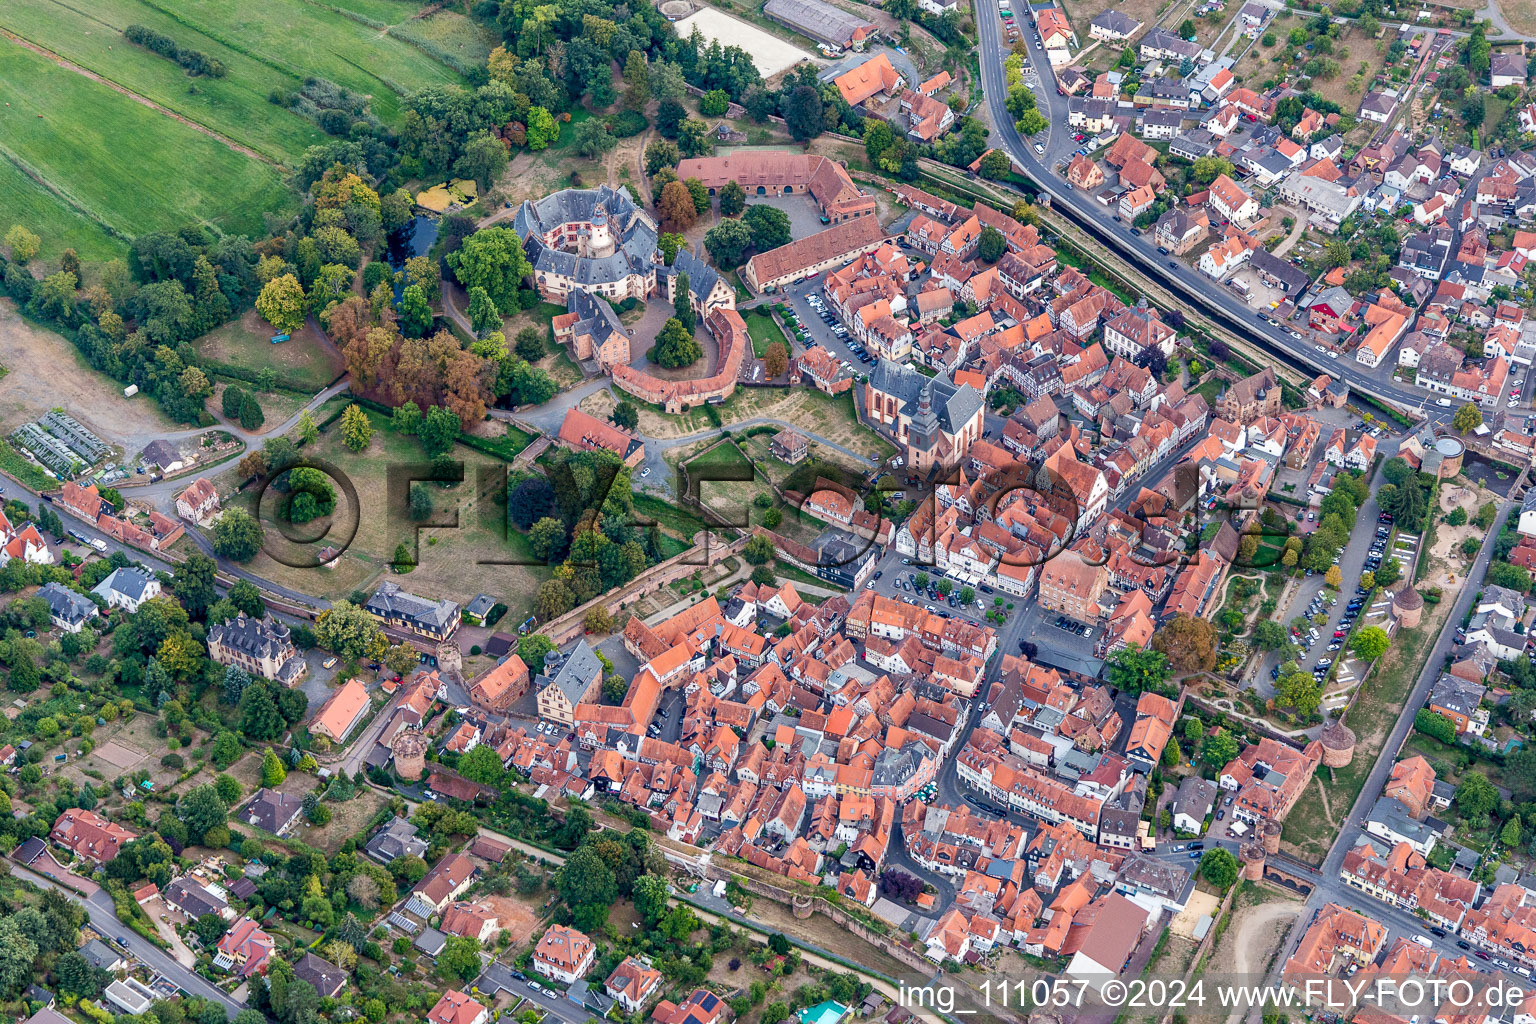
[(1202, 292)]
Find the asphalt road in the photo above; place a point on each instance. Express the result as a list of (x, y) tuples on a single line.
[(1200, 290), (103, 916)]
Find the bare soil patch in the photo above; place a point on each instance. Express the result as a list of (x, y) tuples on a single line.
[(1521, 15), (46, 372), (770, 53), (1255, 933), (1446, 552), (120, 756), (515, 916), (1200, 905)]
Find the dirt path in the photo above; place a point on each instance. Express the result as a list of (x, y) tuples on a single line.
[(1297, 230), (64, 62), (1259, 930), (1322, 791)]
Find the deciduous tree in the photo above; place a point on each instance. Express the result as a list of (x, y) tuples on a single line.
[(281, 303), (237, 535), (1189, 643)]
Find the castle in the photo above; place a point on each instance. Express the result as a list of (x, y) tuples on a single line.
[(593, 247)]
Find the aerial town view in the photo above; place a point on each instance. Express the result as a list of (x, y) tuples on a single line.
[(768, 511)]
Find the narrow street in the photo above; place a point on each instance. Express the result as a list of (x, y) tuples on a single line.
[(103, 916)]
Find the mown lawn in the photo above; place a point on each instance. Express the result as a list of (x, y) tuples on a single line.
[(303, 363), (764, 332), (235, 105), (132, 167)]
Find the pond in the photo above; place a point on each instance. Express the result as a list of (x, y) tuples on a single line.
[(415, 239)]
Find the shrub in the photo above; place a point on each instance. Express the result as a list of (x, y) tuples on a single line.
[(625, 123), (193, 61)]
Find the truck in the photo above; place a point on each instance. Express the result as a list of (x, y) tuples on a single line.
[(99, 544), (719, 889)]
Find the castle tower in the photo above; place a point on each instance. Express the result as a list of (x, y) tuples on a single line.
[(1338, 742), (410, 748), (1408, 606), (1270, 837), (600, 236), (1252, 857)]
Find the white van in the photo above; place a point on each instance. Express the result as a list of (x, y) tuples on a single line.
[(1421, 940)]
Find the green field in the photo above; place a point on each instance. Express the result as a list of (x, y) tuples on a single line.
[(764, 331), (385, 12), (133, 168), (234, 106), (24, 201), (305, 363), (451, 37), (302, 39)]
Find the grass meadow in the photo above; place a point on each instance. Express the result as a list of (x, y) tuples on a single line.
[(302, 39), (235, 106), (130, 166), (87, 165)]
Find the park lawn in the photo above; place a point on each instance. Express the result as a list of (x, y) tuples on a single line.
[(764, 331), (235, 105), (728, 502), (722, 453), (303, 363), (59, 225), (132, 167), (508, 441), (276, 406), (302, 39), (455, 561)]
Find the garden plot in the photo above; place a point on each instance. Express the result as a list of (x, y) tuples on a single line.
[(120, 755)]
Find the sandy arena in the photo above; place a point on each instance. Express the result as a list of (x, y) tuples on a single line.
[(770, 53)]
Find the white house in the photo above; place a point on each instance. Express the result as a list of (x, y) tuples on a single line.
[(128, 588), (1527, 524)]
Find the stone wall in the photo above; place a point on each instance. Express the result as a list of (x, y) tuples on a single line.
[(709, 550), (906, 954)]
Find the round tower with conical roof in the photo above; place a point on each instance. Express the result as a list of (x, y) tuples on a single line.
[(1338, 742), (1407, 606)]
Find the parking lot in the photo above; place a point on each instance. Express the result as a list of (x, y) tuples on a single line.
[(814, 324), (1058, 647), (1319, 647), (840, 333)]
